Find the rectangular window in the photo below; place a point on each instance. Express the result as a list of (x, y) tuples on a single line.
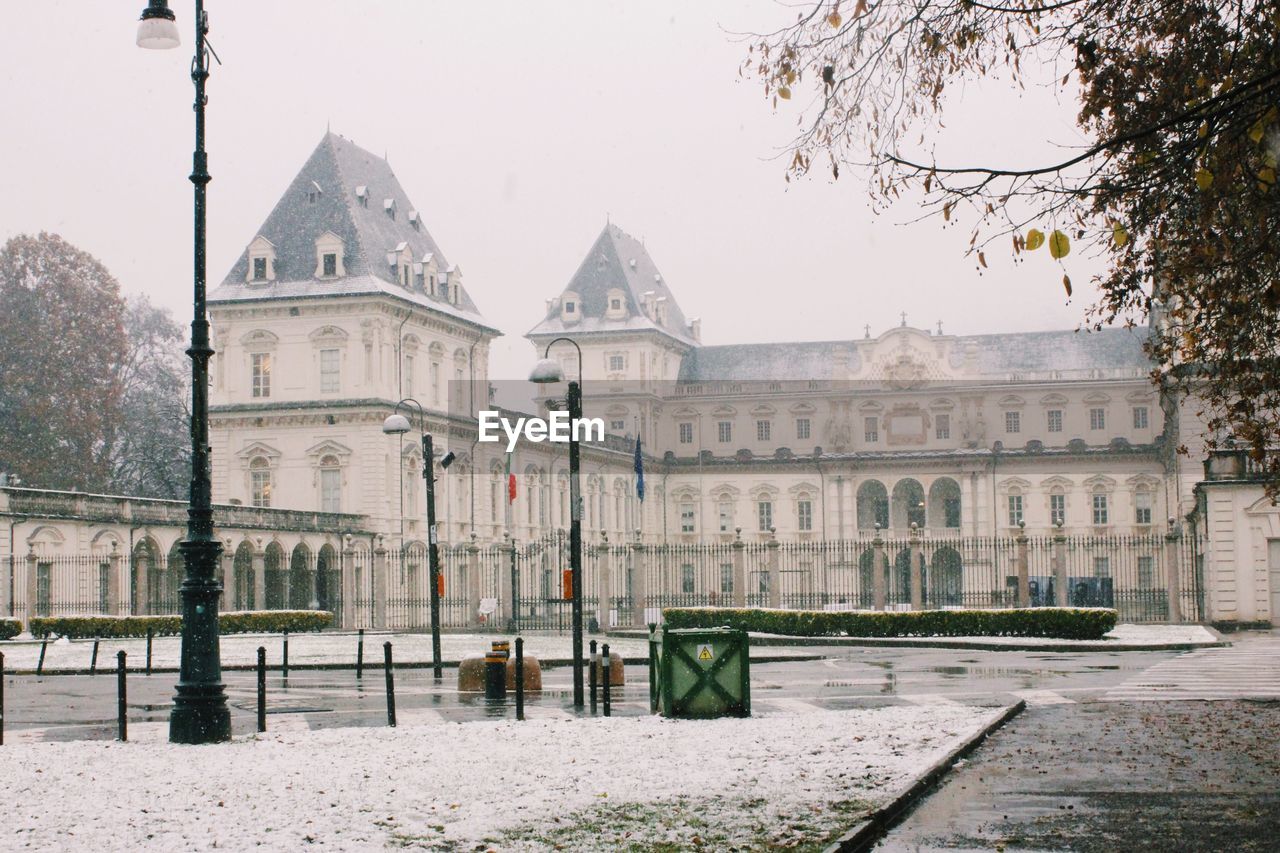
[(686, 433), (686, 578), (1012, 422), (1055, 420), (259, 269), (330, 490), (261, 364), (104, 587), (44, 588), (1146, 572), (724, 430), (329, 263), (1057, 509), (1097, 419), (762, 584), (1099, 509), (942, 426), (726, 578), (763, 429), (687, 521), (617, 363), (725, 511), (408, 374), (329, 367), (435, 382), (1142, 502), (1015, 510), (764, 515), (570, 307), (802, 428), (1140, 420), (260, 483), (871, 429), (618, 427), (804, 515)]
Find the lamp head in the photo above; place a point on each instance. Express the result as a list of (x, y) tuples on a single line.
[(396, 424), (447, 460), (547, 371), (156, 27)]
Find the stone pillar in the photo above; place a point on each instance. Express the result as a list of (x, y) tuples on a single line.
[(877, 571), (473, 582), (380, 581), (775, 586), (1020, 566), (507, 604), (348, 584), (31, 587), (1060, 591), (228, 601), (113, 579), (142, 605), (1173, 588), (739, 569), (917, 581), (639, 583), (603, 584), (259, 578)]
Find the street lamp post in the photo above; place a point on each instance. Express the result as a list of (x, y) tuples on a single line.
[(548, 371), (398, 424), (200, 713)]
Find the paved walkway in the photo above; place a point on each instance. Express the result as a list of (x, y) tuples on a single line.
[(1248, 670)]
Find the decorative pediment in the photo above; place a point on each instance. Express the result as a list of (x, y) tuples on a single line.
[(1097, 398), (763, 491), (684, 413), (1100, 483), (942, 404), (1143, 481), (259, 339), (1056, 482), (1053, 400), (1014, 484), (255, 449), (328, 447), (802, 409), (1139, 397), (802, 488), (1011, 401), (725, 491), (763, 410), (328, 335), (870, 407), (684, 493), (724, 411)]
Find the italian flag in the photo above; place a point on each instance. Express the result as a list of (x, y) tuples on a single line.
[(511, 480)]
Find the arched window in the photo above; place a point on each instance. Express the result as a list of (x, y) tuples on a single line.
[(873, 505), (908, 504), (260, 481)]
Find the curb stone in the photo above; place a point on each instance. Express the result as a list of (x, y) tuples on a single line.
[(978, 645), (869, 831)]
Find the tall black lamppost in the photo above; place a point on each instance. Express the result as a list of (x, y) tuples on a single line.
[(398, 424), (544, 372), (200, 713)]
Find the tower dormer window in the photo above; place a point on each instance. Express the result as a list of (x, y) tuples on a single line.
[(262, 261), (389, 206), (330, 264), (615, 304), (569, 307), (362, 195), (329, 256), (259, 269)]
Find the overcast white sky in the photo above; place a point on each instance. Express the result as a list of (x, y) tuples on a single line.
[(516, 128)]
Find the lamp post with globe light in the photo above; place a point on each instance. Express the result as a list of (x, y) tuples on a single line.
[(398, 424), (200, 713), (548, 371)]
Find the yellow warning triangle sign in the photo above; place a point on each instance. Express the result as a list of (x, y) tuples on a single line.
[(705, 653)]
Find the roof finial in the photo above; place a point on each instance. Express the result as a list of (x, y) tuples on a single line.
[(939, 328), (904, 319), (866, 331)]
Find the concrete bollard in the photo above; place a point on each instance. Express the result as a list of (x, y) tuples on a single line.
[(617, 678), (495, 676)]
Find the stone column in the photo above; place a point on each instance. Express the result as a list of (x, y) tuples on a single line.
[(877, 571), (380, 581), (31, 587), (603, 578), (228, 601), (739, 569), (1060, 591), (1173, 588), (473, 582), (775, 586), (507, 605), (639, 583), (259, 578), (917, 582), (113, 579), (1020, 566), (348, 584), (142, 606)]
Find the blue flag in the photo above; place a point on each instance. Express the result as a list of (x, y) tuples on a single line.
[(639, 467)]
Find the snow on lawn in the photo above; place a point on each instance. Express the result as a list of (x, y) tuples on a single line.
[(592, 784), (242, 649), (1119, 637)]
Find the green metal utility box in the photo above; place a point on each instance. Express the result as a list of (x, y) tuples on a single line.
[(700, 673)]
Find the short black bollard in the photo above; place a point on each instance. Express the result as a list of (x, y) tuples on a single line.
[(149, 635), (262, 688), (519, 678), (121, 697), (594, 663), (495, 676), (391, 684), (93, 661), (284, 665), (653, 669), (40, 665), (1, 698), (360, 655), (606, 675)]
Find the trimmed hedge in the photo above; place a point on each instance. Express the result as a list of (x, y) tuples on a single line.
[(10, 628), (234, 622), (1064, 623)]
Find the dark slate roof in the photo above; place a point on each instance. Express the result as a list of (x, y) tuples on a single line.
[(766, 362), (1113, 348), (337, 167), (608, 265)]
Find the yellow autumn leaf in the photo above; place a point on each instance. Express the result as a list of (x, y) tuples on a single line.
[(1255, 132), (1059, 245), (1035, 239), (1119, 234), (1203, 130), (1066, 282), (1204, 178), (791, 77), (1267, 175), (834, 19), (784, 93)]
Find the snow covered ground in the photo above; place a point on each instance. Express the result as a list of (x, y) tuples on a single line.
[(586, 784)]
